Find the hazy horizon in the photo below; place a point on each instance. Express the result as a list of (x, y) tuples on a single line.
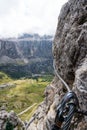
[(28, 16)]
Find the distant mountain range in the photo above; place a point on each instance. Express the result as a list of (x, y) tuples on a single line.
[(26, 55)]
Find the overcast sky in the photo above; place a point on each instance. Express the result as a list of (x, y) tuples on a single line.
[(29, 16)]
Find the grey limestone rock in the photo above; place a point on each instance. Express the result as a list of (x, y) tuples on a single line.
[(70, 55), (12, 118)]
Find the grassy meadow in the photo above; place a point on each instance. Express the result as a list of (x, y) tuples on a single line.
[(23, 94)]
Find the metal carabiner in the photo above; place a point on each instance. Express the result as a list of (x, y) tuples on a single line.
[(65, 111)]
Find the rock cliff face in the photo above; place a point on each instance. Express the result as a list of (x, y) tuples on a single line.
[(70, 55), (26, 55)]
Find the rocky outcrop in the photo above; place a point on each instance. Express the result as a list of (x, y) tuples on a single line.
[(2, 86), (26, 55), (70, 55), (10, 121)]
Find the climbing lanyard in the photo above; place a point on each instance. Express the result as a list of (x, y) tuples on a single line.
[(67, 108)]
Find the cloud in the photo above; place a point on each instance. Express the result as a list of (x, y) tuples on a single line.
[(7, 5), (18, 16)]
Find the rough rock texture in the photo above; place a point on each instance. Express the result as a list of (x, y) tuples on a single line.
[(70, 55), (10, 120)]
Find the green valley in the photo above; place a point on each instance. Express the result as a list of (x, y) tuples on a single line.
[(23, 93)]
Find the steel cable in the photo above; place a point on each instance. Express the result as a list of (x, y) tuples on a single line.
[(57, 74)]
